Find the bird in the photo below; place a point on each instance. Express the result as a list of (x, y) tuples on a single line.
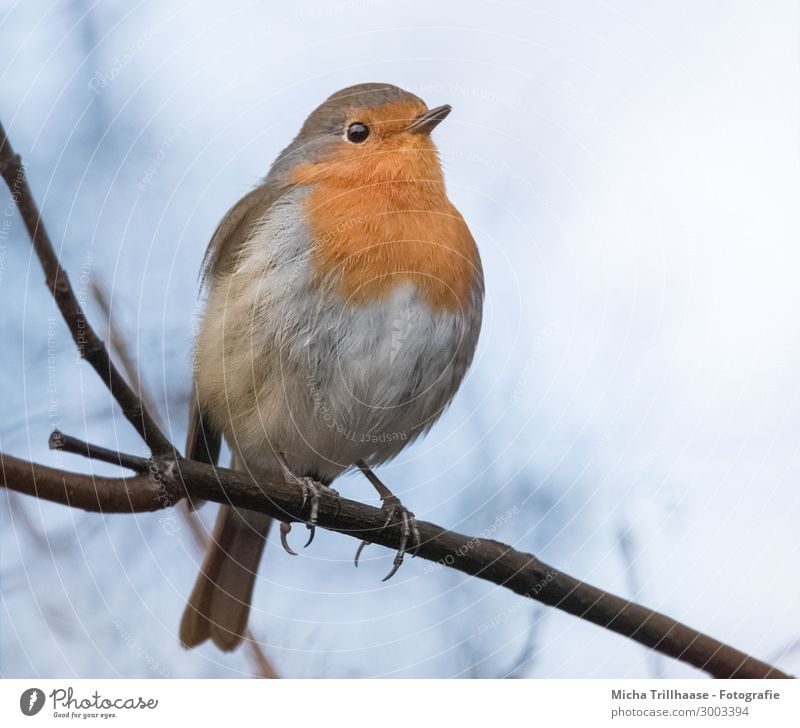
[(342, 302)]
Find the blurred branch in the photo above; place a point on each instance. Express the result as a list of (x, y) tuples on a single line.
[(40, 542), (169, 478), (526, 653)]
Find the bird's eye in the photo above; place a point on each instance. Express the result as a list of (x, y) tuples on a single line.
[(357, 132)]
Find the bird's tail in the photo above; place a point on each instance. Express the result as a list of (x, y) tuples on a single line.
[(220, 601)]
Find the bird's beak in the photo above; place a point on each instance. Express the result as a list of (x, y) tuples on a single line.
[(427, 122)]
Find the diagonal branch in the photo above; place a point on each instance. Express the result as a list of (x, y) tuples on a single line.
[(89, 344), (486, 559), (171, 478)]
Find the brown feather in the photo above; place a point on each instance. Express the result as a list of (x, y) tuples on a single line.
[(235, 227), (219, 604)]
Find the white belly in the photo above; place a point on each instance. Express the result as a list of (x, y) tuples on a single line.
[(283, 367)]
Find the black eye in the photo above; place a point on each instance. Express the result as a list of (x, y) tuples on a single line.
[(357, 132)]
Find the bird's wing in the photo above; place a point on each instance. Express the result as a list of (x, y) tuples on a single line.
[(202, 441), (234, 228)]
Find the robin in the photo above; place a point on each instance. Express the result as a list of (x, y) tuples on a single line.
[(343, 303)]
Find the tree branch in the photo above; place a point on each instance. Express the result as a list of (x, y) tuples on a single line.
[(496, 562), (89, 344), (170, 478), (137, 494), (66, 443)]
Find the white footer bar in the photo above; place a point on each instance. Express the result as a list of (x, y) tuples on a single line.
[(401, 703)]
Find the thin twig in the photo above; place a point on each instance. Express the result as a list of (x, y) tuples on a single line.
[(67, 443)]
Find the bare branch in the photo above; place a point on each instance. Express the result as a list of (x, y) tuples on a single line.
[(66, 443), (498, 563), (89, 344), (137, 494)]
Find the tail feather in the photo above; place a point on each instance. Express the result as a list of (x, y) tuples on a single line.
[(219, 605)]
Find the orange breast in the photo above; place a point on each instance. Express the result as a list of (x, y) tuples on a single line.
[(380, 223)]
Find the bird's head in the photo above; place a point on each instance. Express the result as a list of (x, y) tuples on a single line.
[(367, 134)]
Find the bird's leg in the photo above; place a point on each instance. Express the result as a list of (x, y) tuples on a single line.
[(395, 512), (311, 492)]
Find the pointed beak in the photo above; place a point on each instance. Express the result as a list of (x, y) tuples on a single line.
[(427, 122)]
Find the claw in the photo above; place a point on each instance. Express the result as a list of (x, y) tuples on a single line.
[(408, 532), (398, 562), (358, 552), (285, 528), (405, 530), (311, 493)]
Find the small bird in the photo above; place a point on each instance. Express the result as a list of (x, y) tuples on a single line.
[(343, 304)]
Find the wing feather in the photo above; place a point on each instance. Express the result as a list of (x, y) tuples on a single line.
[(235, 228), (203, 442)]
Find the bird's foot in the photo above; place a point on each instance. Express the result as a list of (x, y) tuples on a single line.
[(397, 514), (311, 490), (311, 494)]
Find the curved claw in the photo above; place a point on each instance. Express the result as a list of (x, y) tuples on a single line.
[(285, 528), (407, 528), (393, 508), (358, 552), (398, 562), (312, 532)]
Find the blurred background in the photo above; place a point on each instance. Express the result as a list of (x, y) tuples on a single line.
[(631, 172)]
